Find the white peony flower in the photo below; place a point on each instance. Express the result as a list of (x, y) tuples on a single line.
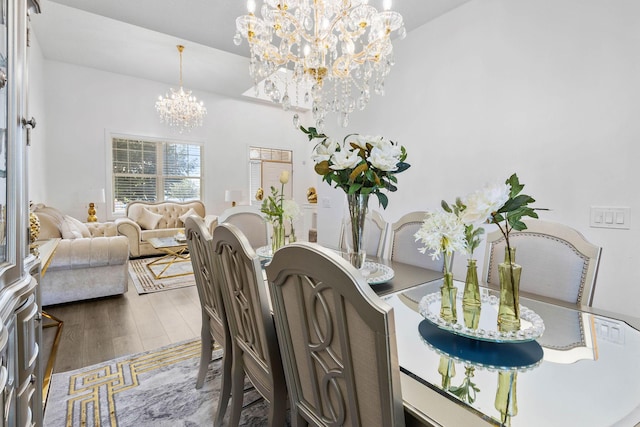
[(290, 209), (441, 232), (482, 203), (345, 159), (385, 160), (324, 151)]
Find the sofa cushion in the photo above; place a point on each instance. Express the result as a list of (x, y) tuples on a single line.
[(147, 219), (187, 214)]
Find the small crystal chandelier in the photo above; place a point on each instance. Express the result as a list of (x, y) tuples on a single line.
[(336, 52), (180, 109)]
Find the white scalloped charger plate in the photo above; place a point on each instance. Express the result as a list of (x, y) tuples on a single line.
[(376, 273)]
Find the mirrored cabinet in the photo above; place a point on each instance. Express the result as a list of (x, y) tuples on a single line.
[(20, 328)]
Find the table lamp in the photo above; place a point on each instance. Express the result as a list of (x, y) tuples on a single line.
[(232, 196), (97, 195)]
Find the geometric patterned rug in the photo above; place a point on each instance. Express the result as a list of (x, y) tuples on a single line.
[(155, 388), (146, 283)]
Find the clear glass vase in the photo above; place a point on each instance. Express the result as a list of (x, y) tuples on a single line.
[(277, 235), (448, 309), (292, 234), (354, 228), (509, 307)]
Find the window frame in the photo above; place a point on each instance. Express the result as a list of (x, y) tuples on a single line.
[(159, 143)]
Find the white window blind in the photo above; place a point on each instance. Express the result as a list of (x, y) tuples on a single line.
[(154, 171)]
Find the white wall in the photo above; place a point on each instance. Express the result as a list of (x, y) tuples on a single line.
[(84, 106), (544, 88), (36, 153)]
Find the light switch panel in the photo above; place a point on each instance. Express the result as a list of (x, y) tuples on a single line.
[(610, 217)]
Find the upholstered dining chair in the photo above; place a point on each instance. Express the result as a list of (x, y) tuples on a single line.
[(557, 261), (376, 230), (337, 339), (250, 221), (403, 245), (255, 349), (214, 319)]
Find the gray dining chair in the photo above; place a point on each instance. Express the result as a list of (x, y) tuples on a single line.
[(337, 339), (250, 221), (403, 245), (214, 320), (255, 349), (557, 261), (376, 230)]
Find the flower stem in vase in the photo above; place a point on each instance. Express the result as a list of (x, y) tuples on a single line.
[(509, 307), (277, 237), (354, 225), (448, 309)]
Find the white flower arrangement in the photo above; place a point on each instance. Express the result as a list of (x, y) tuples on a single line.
[(362, 164), (441, 233)]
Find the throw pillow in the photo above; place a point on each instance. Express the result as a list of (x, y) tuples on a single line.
[(69, 229), (187, 214), (78, 226), (148, 220)]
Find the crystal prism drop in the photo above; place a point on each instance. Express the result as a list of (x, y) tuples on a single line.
[(286, 102), (237, 39), (320, 125), (344, 120), (296, 121), (307, 97)]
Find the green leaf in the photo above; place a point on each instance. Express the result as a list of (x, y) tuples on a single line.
[(445, 206), (382, 200), (515, 185), (402, 166)]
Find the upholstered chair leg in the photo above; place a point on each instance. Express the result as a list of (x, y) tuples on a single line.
[(297, 420), (205, 352), (225, 388), (278, 411), (237, 390)]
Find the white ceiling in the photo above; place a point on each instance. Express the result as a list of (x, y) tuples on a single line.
[(138, 38)]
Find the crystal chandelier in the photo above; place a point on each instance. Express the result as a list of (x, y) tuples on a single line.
[(180, 109), (335, 52)]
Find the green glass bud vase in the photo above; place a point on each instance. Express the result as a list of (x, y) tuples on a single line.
[(448, 310), (277, 236), (506, 402), (509, 307), (447, 369), (471, 295)]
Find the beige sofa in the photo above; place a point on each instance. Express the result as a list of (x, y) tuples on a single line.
[(145, 220), (90, 261)]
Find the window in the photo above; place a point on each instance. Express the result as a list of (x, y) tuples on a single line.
[(265, 166), (154, 171)]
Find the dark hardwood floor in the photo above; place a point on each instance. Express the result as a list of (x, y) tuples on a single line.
[(102, 329)]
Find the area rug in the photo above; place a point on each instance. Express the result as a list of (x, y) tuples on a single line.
[(155, 388), (146, 283)]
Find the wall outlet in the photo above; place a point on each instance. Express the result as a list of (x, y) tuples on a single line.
[(610, 217)]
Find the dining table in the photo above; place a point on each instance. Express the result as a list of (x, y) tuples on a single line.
[(583, 369)]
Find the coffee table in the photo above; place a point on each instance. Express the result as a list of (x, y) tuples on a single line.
[(175, 252)]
